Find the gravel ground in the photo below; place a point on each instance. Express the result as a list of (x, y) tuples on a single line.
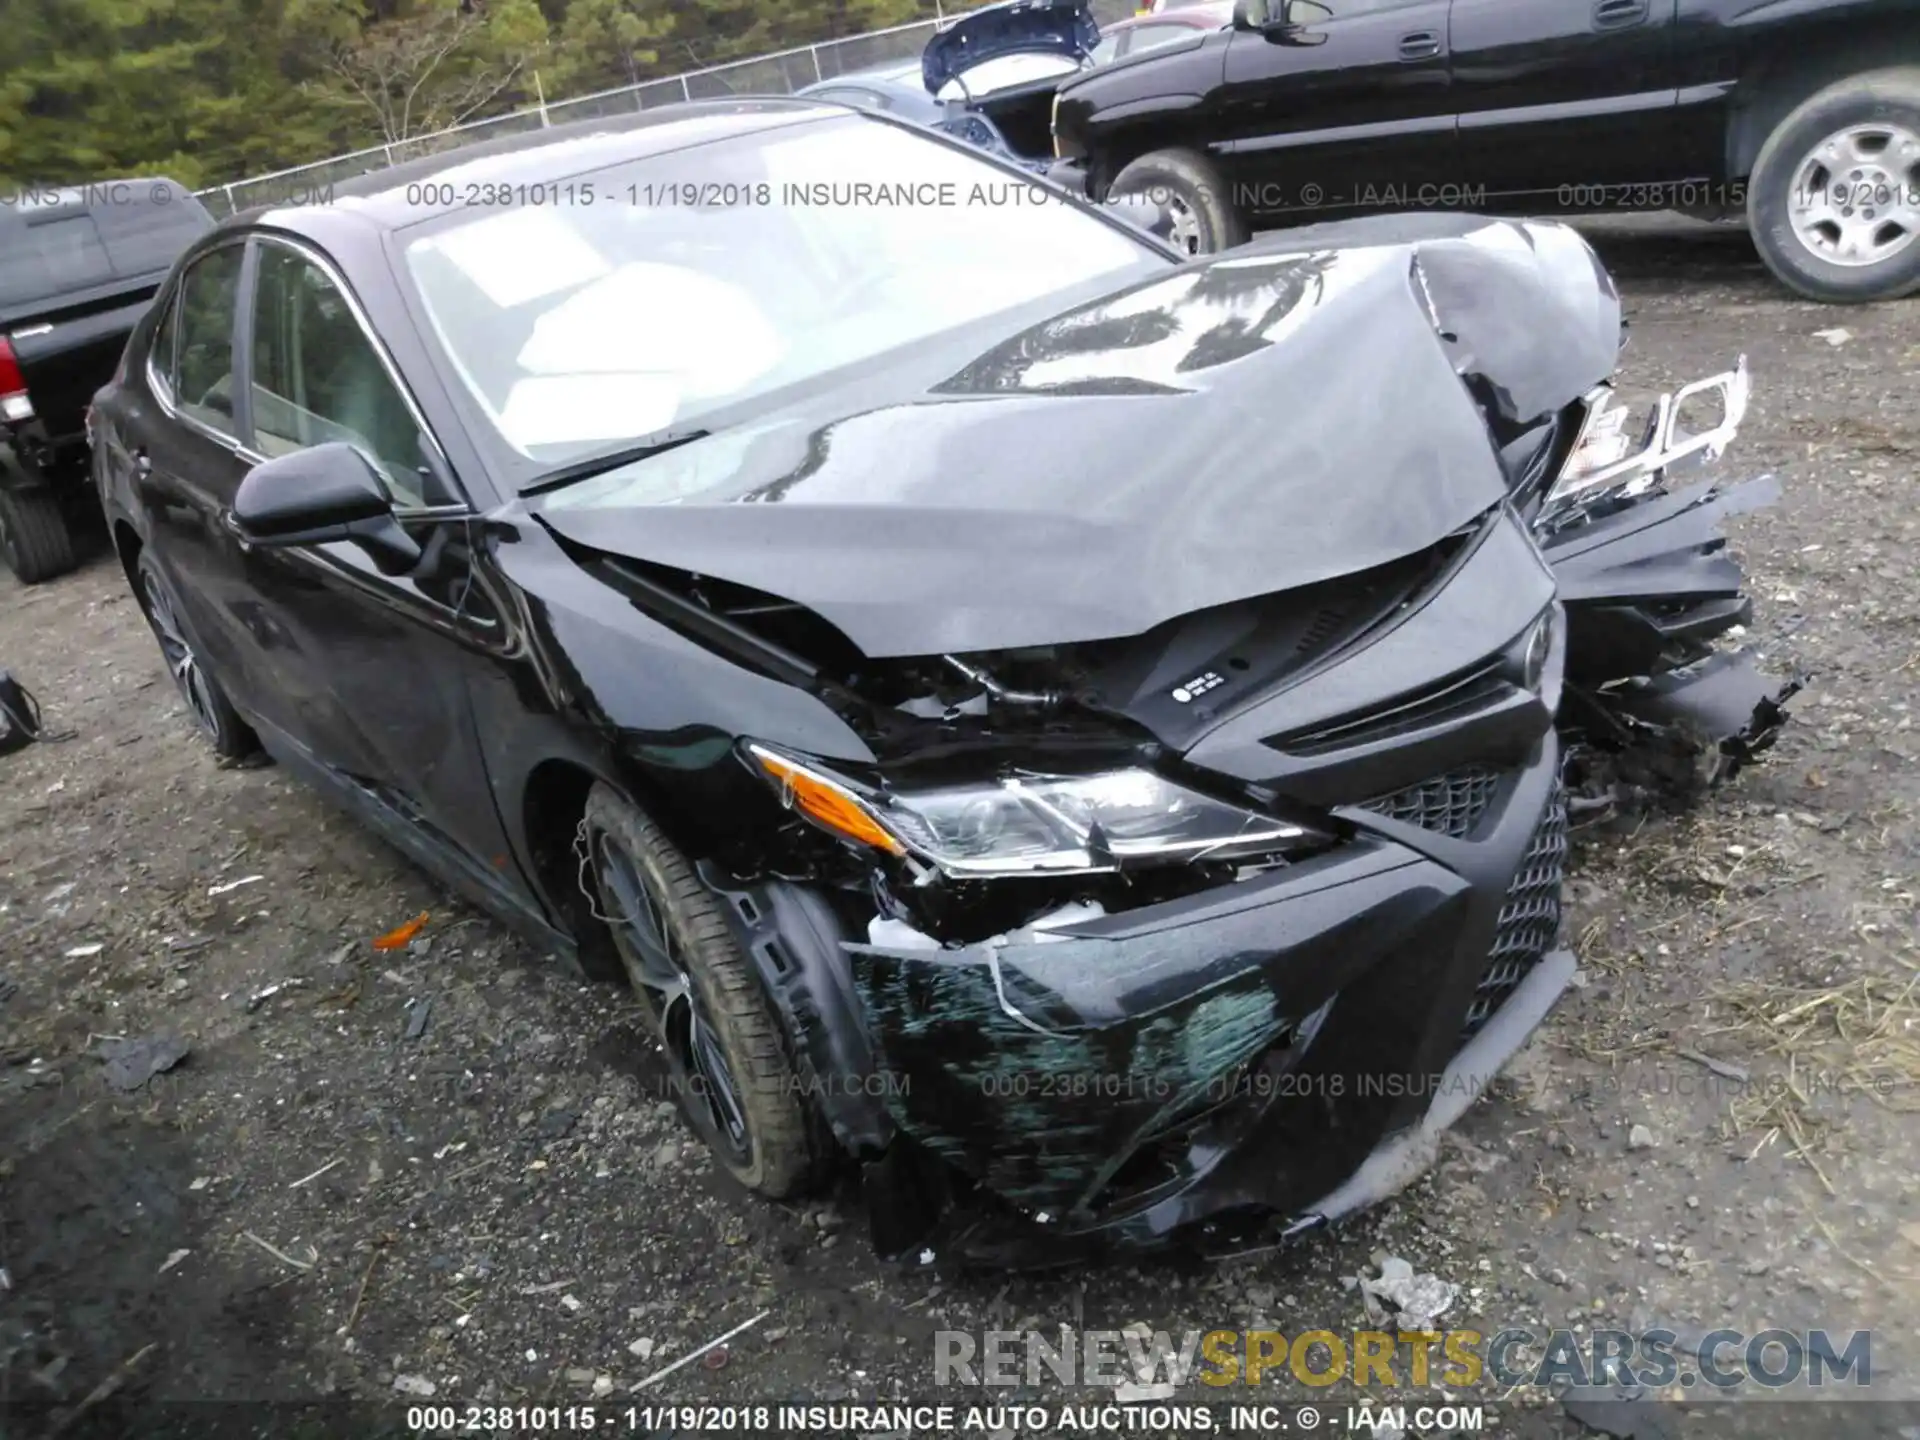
[(312, 1203)]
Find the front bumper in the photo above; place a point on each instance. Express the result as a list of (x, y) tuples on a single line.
[(1248, 1060)]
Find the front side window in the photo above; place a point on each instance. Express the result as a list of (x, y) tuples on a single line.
[(317, 377), (576, 326), (203, 373)]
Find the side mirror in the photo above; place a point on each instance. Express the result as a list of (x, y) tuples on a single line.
[(1143, 212), (329, 492), (1284, 22)]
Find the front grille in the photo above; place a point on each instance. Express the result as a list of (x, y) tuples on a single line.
[(1529, 918), (1449, 804)]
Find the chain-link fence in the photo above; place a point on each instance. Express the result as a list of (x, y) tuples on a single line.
[(778, 74)]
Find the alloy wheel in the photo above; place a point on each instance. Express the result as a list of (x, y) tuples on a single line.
[(657, 964), (188, 675), (1855, 199), (1185, 234)]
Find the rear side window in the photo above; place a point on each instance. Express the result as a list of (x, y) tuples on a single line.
[(44, 253), (1149, 37), (209, 297), (52, 246), (144, 236)]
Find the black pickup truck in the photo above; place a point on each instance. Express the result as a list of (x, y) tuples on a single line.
[(1801, 115), (78, 268)]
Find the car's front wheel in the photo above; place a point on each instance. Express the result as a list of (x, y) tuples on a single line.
[(1195, 194), (207, 703), (1834, 199), (726, 1056)]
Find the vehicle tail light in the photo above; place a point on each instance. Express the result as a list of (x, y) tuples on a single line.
[(14, 404)]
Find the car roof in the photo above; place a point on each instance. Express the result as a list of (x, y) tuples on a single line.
[(388, 199)]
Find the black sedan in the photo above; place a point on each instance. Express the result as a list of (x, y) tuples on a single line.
[(1067, 729)]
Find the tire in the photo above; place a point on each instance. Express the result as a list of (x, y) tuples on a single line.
[(1206, 219), (34, 540), (213, 714), (779, 1149), (1854, 117)]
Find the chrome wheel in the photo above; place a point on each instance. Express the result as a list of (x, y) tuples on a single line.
[(181, 661), (657, 964), (1185, 233), (1855, 199)]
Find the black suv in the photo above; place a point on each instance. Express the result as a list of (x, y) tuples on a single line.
[(1805, 117), (78, 268)]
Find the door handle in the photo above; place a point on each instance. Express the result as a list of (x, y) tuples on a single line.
[(142, 465), (1420, 45), (1619, 14)]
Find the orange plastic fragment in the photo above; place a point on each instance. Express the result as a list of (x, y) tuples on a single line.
[(397, 938)]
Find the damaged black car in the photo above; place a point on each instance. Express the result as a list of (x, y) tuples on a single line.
[(1080, 737)]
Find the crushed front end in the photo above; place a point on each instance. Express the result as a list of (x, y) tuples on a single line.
[(1201, 921), (1254, 905), (1081, 1037)]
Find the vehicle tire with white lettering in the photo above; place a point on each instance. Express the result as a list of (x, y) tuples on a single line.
[(727, 1056), (1195, 193), (1834, 198)]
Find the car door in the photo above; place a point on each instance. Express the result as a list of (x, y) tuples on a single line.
[(1565, 98), (182, 431), (1345, 107), (369, 670)]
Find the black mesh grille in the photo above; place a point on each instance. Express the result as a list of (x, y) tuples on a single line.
[(1449, 804), (1529, 919)]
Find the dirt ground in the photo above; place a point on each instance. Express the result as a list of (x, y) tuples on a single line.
[(503, 1208)]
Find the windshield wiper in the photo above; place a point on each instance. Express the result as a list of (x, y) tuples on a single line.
[(641, 449)]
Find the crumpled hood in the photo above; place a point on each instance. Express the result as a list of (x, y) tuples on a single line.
[(1036, 26), (1228, 428)]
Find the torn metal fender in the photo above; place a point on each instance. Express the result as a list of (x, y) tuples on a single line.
[(1606, 557), (1652, 577), (1724, 699), (794, 940)]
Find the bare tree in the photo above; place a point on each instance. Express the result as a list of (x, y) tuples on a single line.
[(431, 68)]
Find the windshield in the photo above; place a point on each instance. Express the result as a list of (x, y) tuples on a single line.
[(705, 277)]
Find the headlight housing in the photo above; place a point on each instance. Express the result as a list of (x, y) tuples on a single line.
[(1035, 824), (1607, 459)]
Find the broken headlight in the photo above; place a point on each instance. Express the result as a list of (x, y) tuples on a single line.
[(1608, 457), (1036, 824)]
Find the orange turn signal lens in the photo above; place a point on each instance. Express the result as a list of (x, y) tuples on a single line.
[(831, 806)]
